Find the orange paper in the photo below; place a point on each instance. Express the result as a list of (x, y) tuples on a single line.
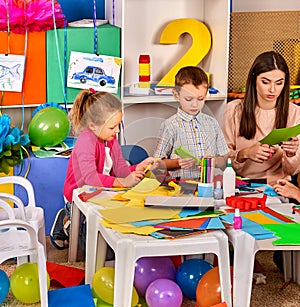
[(34, 83)]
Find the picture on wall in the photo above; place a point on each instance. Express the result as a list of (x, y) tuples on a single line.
[(11, 72), (99, 72)]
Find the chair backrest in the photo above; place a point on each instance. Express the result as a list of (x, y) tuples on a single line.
[(29, 199), (17, 238), (8, 209), (17, 202), (134, 154)]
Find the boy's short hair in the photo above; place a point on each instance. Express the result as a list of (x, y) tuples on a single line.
[(190, 75)]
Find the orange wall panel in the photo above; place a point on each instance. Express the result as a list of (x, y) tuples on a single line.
[(34, 83)]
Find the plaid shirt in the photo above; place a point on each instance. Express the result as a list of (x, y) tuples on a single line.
[(201, 135)]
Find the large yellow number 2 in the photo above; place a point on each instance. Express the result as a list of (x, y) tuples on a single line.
[(199, 49)]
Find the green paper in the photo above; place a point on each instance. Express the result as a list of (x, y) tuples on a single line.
[(281, 135), (287, 233), (184, 153)]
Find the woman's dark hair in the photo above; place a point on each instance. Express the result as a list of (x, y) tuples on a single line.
[(265, 62)]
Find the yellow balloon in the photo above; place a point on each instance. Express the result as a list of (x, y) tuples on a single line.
[(103, 286), (24, 283)]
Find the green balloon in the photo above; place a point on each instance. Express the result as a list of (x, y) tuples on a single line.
[(48, 127), (24, 283), (103, 287)]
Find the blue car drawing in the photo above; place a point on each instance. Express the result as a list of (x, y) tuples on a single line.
[(93, 73)]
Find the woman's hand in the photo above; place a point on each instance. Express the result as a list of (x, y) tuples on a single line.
[(257, 153), (290, 147), (287, 189), (186, 163)]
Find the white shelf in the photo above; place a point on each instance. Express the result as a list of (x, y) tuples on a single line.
[(142, 22), (163, 98)]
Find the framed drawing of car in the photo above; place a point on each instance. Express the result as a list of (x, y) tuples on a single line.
[(91, 70)]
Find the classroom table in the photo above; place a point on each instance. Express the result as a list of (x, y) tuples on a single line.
[(129, 247), (246, 246)]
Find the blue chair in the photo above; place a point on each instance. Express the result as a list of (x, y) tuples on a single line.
[(134, 154)]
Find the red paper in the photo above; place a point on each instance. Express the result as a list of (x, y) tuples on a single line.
[(188, 224), (66, 276)]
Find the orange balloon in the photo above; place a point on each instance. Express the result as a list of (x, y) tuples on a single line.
[(208, 291)]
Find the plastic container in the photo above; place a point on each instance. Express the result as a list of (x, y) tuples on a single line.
[(237, 220), (218, 191), (228, 180)]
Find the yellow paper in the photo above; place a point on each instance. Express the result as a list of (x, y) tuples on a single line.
[(127, 228), (119, 197), (135, 203), (160, 191), (130, 214), (107, 202), (146, 185), (259, 218)]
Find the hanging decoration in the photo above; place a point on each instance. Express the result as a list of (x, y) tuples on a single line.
[(30, 15), (100, 72), (11, 72)]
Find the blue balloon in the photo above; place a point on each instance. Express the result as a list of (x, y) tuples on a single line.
[(189, 274), (4, 286)]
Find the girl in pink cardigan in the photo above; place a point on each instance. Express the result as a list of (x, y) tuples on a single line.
[(96, 158)]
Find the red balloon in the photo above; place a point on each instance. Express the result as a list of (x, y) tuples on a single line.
[(208, 292)]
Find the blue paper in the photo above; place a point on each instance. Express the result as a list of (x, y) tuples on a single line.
[(254, 229), (78, 296), (269, 191), (215, 223)]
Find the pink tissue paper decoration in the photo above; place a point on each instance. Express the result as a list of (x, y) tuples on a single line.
[(33, 15)]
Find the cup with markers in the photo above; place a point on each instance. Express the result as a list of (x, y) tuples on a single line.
[(206, 184)]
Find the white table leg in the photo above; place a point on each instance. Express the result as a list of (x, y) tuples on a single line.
[(125, 266), (74, 233), (243, 264)]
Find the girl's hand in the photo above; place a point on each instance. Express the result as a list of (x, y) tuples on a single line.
[(149, 163), (186, 163), (290, 147), (131, 180), (257, 153), (287, 189)]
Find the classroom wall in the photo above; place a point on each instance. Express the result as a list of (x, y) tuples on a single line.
[(264, 5), (82, 9)]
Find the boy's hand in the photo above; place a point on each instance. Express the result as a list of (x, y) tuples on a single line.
[(186, 163)]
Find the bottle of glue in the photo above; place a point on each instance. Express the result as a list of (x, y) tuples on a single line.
[(228, 180), (237, 220)]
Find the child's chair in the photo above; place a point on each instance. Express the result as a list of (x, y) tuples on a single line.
[(19, 239), (134, 154), (33, 214)]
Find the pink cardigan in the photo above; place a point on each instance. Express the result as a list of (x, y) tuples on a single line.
[(87, 161)]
